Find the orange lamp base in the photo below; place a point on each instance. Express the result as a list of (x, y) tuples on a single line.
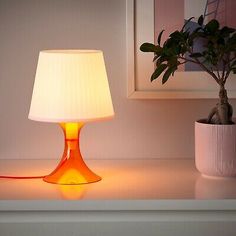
[(72, 168)]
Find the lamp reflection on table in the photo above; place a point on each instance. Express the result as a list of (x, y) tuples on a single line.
[(72, 192), (37, 189)]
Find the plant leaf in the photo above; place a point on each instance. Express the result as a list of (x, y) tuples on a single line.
[(158, 71), (226, 31), (212, 26), (148, 47), (200, 20), (233, 63), (232, 39), (167, 74), (196, 55), (154, 58), (186, 23), (159, 37)]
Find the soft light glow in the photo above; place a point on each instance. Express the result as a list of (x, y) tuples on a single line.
[(71, 129), (71, 86), (72, 192)]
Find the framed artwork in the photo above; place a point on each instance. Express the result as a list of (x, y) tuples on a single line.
[(145, 19)]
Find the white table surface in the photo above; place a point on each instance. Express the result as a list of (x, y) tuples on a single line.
[(135, 197), (126, 185)]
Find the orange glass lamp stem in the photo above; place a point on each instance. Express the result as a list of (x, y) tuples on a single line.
[(72, 168)]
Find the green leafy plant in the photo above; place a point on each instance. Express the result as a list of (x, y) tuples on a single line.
[(217, 57)]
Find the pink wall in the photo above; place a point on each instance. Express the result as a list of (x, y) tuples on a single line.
[(169, 15), (230, 13), (226, 12)]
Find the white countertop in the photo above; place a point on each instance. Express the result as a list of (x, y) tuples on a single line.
[(140, 184)]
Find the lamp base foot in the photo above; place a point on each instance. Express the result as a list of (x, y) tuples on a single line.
[(72, 168), (72, 172)]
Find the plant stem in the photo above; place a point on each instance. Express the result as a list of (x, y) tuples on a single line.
[(196, 61)]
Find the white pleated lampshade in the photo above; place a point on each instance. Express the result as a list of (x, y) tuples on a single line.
[(71, 86)]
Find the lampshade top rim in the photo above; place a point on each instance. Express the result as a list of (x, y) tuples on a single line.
[(71, 51)]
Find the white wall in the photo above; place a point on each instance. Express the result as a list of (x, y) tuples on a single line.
[(141, 129)]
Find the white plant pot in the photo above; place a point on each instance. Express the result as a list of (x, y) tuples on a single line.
[(215, 149)]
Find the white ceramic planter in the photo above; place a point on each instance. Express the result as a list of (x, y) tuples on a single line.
[(215, 149)]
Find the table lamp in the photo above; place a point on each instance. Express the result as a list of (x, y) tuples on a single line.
[(71, 88)]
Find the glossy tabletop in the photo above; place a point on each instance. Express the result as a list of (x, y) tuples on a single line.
[(121, 180)]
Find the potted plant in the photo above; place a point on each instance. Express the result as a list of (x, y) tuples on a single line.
[(215, 136)]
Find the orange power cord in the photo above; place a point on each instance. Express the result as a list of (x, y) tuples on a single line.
[(21, 177)]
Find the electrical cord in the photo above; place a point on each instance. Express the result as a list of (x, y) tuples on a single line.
[(21, 177)]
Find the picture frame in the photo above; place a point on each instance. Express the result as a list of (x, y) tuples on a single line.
[(184, 85)]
